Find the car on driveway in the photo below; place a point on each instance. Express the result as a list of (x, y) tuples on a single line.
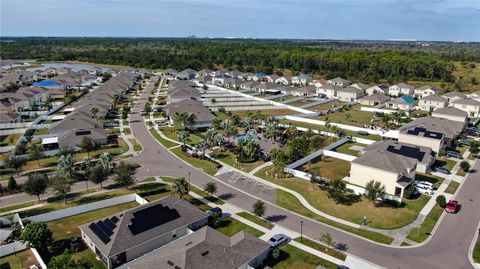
[(214, 210), (454, 154), (278, 240), (425, 190), (425, 184), (451, 207), (464, 142), (441, 169)]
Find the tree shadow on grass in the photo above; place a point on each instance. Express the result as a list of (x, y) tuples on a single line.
[(271, 262)]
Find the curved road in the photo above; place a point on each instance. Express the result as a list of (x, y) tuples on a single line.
[(447, 249)]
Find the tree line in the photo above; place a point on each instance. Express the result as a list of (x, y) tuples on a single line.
[(368, 63)]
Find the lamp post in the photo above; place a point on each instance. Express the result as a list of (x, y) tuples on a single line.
[(189, 177), (301, 231)]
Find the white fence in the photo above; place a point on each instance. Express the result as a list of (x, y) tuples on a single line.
[(245, 103), (12, 131), (11, 248), (243, 108), (379, 110), (292, 100), (339, 155), (15, 125), (223, 99), (6, 149), (342, 126), (220, 95), (88, 207), (276, 96)]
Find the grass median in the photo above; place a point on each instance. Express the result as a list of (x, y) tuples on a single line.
[(293, 257), (208, 167), (452, 187), (256, 220), (163, 141), (322, 248), (421, 233)]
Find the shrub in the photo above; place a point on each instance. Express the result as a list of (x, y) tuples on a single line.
[(465, 166), (441, 200)]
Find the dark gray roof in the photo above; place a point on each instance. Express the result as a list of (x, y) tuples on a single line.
[(141, 224), (466, 101), (428, 126), (435, 98), (377, 97), (205, 248), (201, 112), (450, 111)]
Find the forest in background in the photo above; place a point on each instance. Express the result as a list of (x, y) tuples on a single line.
[(366, 61)]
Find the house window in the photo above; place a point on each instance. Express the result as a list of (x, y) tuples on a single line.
[(398, 191)]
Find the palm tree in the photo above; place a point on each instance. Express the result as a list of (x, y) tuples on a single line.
[(35, 152), (93, 112), (313, 174), (106, 160), (210, 135), (66, 164), (271, 131), (203, 146), (229, 131), (180, 187), (183, 137), (250, 149), (291, 131), (218, 140), (247, 123)]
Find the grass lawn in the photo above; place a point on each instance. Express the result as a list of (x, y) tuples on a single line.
[(229, 158), (476, 252), (289, 202), (405, 244), (208, 166), (268, 112), (230, 226), (43, 131), (325, 129), (256, 220), (22, 259), (163, 141), (383, 217), (14, 207), (136, 146), (9, 140), (331, 168), (112, 131), (171, 133), (420, 234), (452, 187), (437, 181), (127, 131), (327, 250), (284, 98), (197, 191), (293, 257), (354, 117), (461, 172), (326, 106), (445, 162), (346, 148), (300, 103)]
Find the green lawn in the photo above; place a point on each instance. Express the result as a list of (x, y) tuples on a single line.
[(327, 250), (354, 117), (43, 131), (420, 234), (171, 133), (289, 202), (325, 106), (163, 141), (230, 226), (476, 252), (9, 140), (292, 257), (452, 187), (136, 146), (127, 131), (346, 148), (442, 161), (14, 207), (256, 220), (19, 260), (437, 181), (382, 217), (331, 168), (207, 166), (197, 191), (230, 159)]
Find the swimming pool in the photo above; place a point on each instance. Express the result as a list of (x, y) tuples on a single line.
[(46, 83), (245, 137)]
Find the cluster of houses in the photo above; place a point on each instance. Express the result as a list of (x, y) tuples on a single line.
[(169, 233), (82, 120), (183, 96)]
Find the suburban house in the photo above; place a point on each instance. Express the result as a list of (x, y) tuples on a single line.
[(382, 88), (170, 73), (248, 85), (272, 78), (400, 89), (328, 90), (204, 72), (450, 113), (220, 80), (285, 80), (203, 80), (123, 237), (435, 133), (391, 163), (339, 82), (308, 90), (452, 96), (182, 92), (318, 82), (432, 102), (265, 87), (360, 86), (404, 102), (302, 79), (203, 116), (474, 96), (186, 74), (425, 91), (349, 94), (374, 99), (206, 248), (472, 107)]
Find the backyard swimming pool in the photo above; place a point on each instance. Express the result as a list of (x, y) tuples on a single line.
[(46, 83), (246, 137)]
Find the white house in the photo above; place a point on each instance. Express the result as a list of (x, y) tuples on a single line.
[(285, 80), (452, 96), (405, 103), (432, 102), (425, 91), (400, 89), (302, 79), (382, 88), (472, 107), (349, 94), (450, 113), (339, 82), (329, 91)]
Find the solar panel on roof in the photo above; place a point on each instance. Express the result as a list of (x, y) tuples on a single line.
[(99, 233), (104, 228), (114, 219), (151, 217), (110, 224)]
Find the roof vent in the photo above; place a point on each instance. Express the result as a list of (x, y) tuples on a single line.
[(205, 253)]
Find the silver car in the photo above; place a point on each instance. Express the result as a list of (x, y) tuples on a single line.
[(278, 240)]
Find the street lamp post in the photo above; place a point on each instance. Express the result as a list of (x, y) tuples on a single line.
[(301, 231), (188, 176)]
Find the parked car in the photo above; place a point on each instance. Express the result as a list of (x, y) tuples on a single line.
[(424, 184), (451, 207), (441, 169), (362, 132), (454, 154), (214, 210), (278, 240), (425, 190), (464, 142)]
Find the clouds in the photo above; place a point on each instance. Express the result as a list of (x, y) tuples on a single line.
[(355, 19)]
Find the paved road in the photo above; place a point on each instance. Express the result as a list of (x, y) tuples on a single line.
[(448, 248)]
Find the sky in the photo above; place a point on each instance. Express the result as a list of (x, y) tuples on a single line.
[(445, 20)]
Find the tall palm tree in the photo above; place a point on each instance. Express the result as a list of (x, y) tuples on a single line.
[(180, 187), (106, 160), (229, 130), (210, 135), (247, 123), (250, 149), (313, 174), (183, 137), (271, 131), (218, 139), (66, 164), (94, 112), (203, 146)]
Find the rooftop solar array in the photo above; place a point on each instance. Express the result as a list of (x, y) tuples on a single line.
[(103, 229), (425, 133), (151, 217), (411, 152)]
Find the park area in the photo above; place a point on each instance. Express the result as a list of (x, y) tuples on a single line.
[(328, 167), (353, 116)]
